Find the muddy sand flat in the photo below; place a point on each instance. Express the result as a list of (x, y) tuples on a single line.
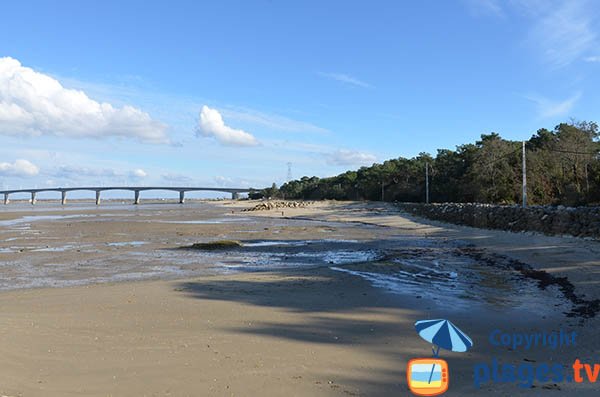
[(319, 301)]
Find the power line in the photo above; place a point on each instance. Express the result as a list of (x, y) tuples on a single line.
[(503, 157), (548, 149), (571, 151)]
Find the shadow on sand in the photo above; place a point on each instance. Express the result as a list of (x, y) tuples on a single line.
[(337, 309)]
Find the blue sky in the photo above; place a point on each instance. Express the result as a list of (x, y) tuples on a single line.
[(227, 93)]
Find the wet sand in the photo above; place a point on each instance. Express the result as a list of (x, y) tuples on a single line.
[(193, 326)]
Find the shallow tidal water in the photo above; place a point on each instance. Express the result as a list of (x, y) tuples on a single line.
[(53, 246)]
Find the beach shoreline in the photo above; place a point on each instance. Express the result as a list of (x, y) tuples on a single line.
[(297, 331)]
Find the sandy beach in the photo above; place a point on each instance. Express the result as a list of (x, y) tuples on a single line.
[(319, 301)]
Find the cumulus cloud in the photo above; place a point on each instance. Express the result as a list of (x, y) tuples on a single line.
[(20, 168), (34, 104), (223, 180), (138, 173), (350, 157), (211, 125)]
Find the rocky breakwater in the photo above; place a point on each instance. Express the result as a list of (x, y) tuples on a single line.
[(552, 220), (273, 205)]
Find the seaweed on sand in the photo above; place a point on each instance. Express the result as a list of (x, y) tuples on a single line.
[(214, 245)]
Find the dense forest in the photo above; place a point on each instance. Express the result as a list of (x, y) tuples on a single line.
[(563, 167)]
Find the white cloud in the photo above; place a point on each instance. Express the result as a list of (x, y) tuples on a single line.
[(563, 32), (548, 108), (346, 79), (484, 7), (20, 168), (95, 175), (271, 121), (223, 180), (593, 59), (34, 104), (76, 172), (350, 157), (211, 125), (138, 173), (176, 178)]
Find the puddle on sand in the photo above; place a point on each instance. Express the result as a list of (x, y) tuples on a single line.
[(273, 243), (26, 275), (207, 221), (46, 248), (65, 248), (259, 255), (453, 279), (30, 238), (339, 257), (127, 244), (294, 243), (37, 218), (68, 247), (265, 261)]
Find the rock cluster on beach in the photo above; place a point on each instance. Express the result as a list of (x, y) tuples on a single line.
[(553, 220), (272, 205)]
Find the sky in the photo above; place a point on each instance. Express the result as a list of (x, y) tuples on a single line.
[(228, 93)]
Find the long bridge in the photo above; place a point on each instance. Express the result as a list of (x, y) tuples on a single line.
[(235, 192)]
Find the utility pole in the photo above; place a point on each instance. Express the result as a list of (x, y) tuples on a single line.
[(524, 178), (587, 180), (426, 183)]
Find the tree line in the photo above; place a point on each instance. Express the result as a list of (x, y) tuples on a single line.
[(563, 167)]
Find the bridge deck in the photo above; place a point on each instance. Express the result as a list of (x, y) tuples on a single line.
[(136, 189), (129, 188)]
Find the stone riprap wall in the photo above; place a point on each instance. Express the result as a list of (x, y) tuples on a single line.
[(274, 205), (579, 221)]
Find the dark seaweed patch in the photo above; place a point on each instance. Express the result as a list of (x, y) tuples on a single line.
[(582, 308)]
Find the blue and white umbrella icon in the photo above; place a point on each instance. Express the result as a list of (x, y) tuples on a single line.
[(443, 334)]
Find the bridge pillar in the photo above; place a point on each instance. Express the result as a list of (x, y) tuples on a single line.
[(6, 200), (63, 199), (97, 197), (235, 196), (33, 200), (136, 199), (182, 197)]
